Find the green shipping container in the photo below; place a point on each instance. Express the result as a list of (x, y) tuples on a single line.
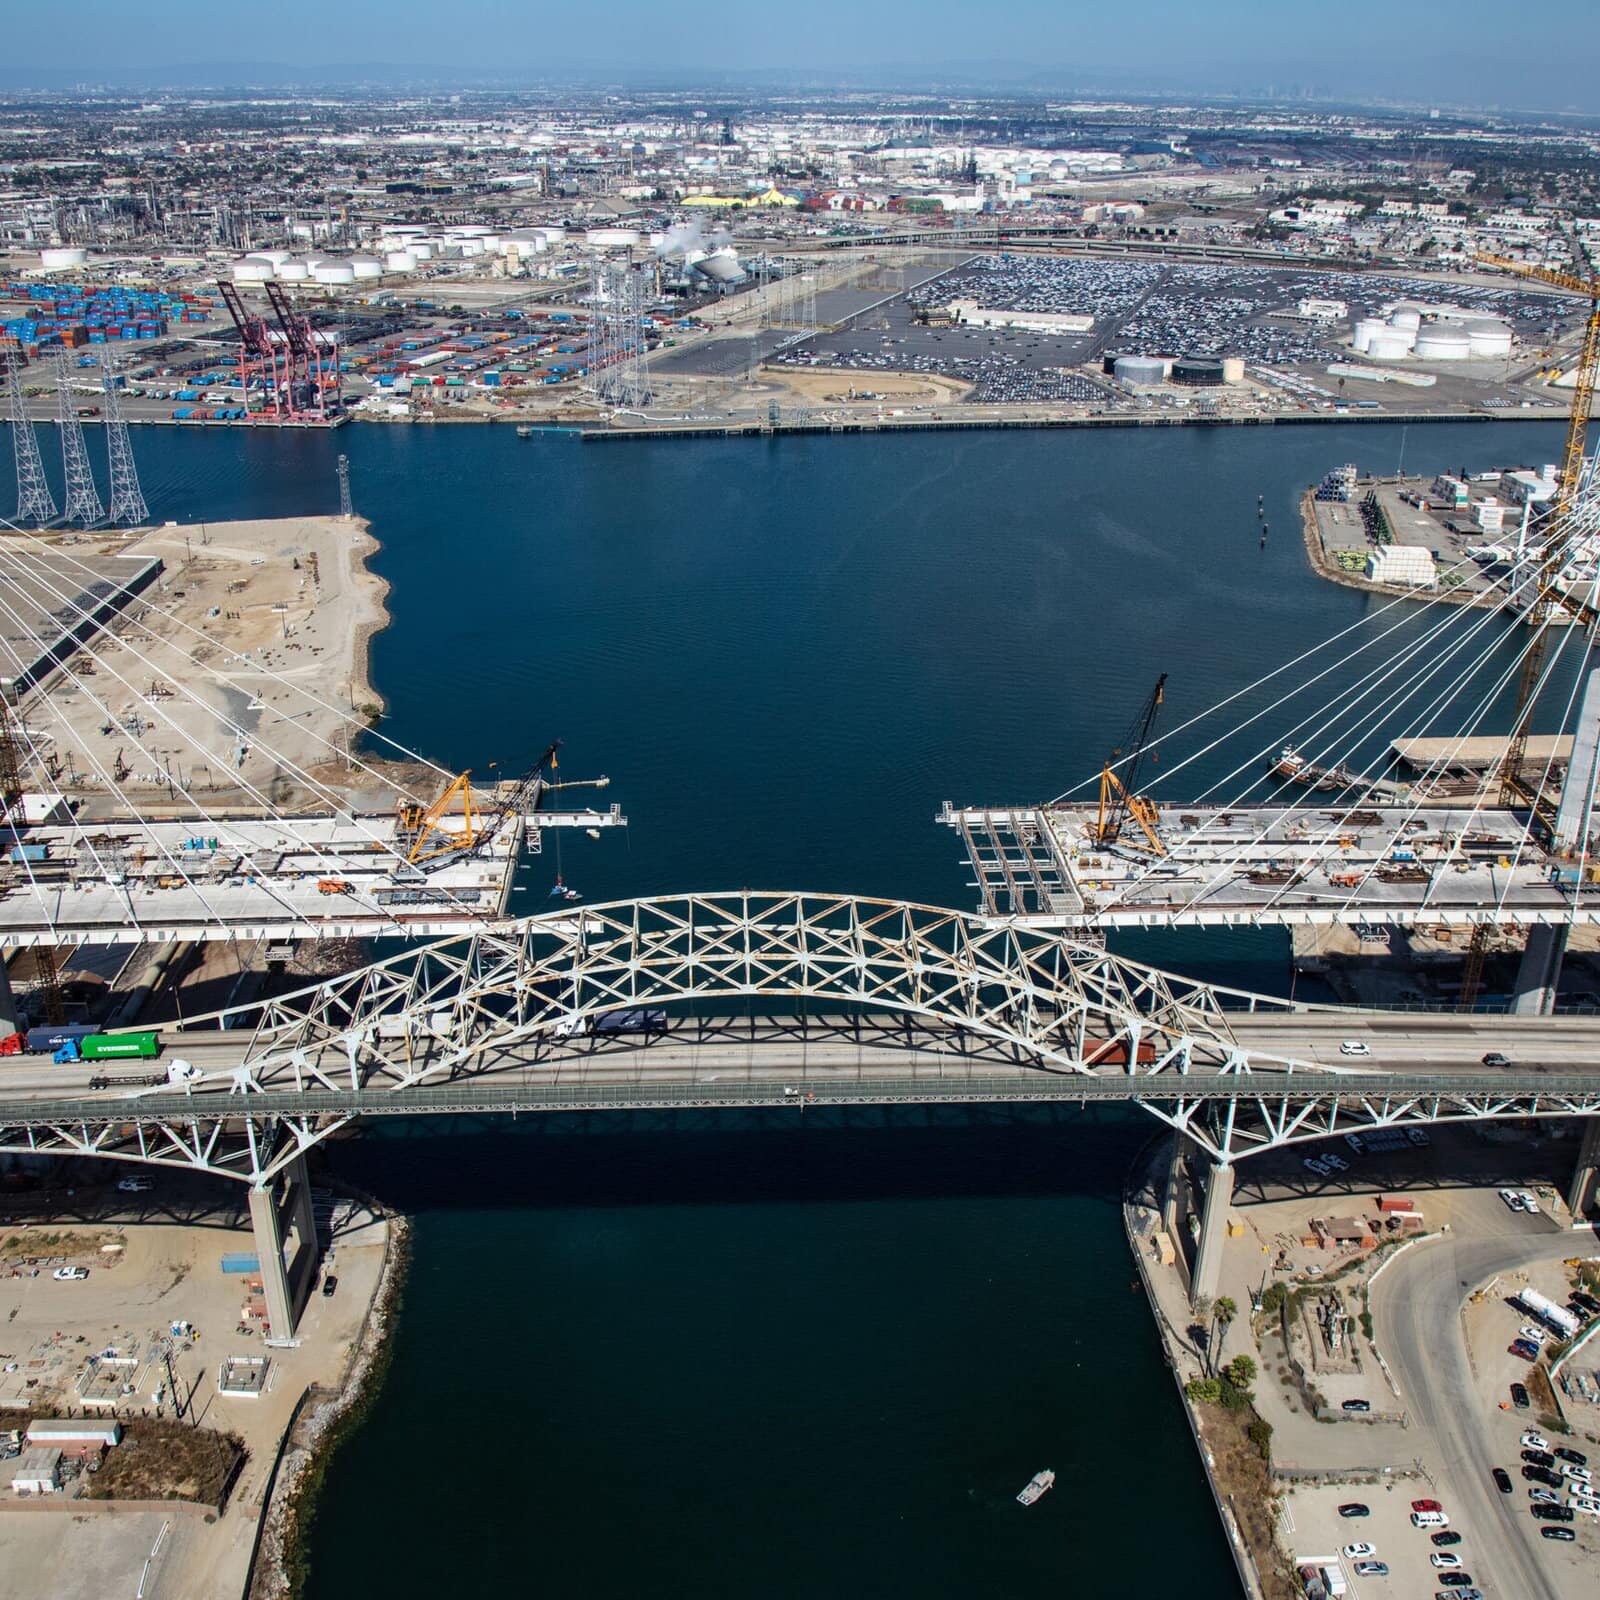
[(108, 1046)]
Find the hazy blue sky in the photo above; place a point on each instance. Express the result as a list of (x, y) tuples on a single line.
[(1541, 53)]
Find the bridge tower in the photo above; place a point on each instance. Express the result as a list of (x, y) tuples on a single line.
[(82, 502), (1213, 1232), (127, 498), (1584, 1174), (34, 501)]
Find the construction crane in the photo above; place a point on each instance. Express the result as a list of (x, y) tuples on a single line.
[(431, 842), (1515, 789), (1120, 799)]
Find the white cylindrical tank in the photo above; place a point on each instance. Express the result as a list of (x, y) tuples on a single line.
[(1143, 370), (252, 269), (1405, 317), (470, 247), (1393, 344), (551, 235), (1233, 369), (1362, 336), (422, 250), (293, 272), (61, 256), (613, 238), (335, 273), (276, 257), (400, 261), (1441, 342), (366, 266), (471, 230), (723, 265), (491, 244), (1489, 338)]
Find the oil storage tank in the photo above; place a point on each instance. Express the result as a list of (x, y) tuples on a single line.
[(1442, 342), (1365, 331), (1198, 372), (1489, 337), (1143, 371), (1233, 369)]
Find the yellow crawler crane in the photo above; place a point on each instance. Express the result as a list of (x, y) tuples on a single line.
[(1515, 789), (431, 841), (1120, 800)]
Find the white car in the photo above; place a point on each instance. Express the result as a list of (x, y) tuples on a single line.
[(1316, 1165), (70, 1274), (1354, 1047), (1533, 1333), (1530, 1203), (1590, 1508), (1359, 1552), (134, 1185), (1445, 1560), (1575, 1473), (1542, 1496), (1535, 1441), (1512, 1200)]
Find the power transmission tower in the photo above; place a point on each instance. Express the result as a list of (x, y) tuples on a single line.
[(347, 509), (82, 503), (127, 499), (617, 347), (34, 499)]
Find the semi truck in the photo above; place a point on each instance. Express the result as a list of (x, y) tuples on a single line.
[(1548, 1312)]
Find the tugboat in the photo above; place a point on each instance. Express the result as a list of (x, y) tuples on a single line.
[(1040, 1484)]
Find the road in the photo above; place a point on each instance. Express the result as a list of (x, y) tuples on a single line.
[(1416, 1312)]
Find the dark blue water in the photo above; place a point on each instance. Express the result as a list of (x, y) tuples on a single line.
[(736, 1356)]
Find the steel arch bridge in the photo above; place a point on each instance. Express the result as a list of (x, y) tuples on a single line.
[(921, 1005)]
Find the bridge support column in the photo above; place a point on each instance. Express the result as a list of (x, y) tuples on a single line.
[(1213, 1233), (1539, 972), (1172, 1194), (284, 1284), (8, 1003), (1584, 1174)]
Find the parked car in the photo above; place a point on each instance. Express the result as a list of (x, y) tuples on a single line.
[(1541, 1496), (1354, 1508), (1575, 1474), (1566, 1535), (1522, 1349), (1533, 1333), (1372, 1569), (1357, 1405), (1539, 1458), (1511, 1199), (1446, 1539), (329, 1284), (1502, 1480), (1456, 1580), (1338, 1163), (1519, 1396), (1534, 1441), (1576, 1457), (1429, 1519), (1549, 1513), (1445, 1560), (1316, 1165), (1426, 1505), (70, 1274), (1542, 1475)]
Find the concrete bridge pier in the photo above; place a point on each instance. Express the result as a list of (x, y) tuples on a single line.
[(1213, 1233), (8, 1003), (1539, 972), (281, 1214), (1584, 1174)]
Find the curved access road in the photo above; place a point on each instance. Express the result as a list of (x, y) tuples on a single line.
[(1416, 1313)]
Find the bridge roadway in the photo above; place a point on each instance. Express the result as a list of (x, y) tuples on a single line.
[(711, 1062)]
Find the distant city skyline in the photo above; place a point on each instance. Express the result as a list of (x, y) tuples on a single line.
[(1469, 55)]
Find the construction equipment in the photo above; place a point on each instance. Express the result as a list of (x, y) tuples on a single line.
[(1515, 787), (1120, 799), (430, 841)]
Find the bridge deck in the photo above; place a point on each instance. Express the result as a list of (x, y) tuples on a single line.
[(1267, 865)]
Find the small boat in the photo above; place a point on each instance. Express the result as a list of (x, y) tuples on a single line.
[(525, 430), (1041, 1483)]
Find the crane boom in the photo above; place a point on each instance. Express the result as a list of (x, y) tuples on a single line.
[(1514, 787), (1120, 799)]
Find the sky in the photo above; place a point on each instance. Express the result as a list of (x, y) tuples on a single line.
[(1539, 55)]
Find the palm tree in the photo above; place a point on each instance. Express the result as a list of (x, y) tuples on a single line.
[(1223, 1311)]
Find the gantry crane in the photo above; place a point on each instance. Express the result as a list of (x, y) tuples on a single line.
[(1120, 799), (1515, 788)]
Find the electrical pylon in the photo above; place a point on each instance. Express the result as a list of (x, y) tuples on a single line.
[(347, 508), (127, 499), (82, 503), (34, 500)]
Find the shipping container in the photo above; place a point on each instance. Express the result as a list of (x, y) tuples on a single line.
[(114, 1046)]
